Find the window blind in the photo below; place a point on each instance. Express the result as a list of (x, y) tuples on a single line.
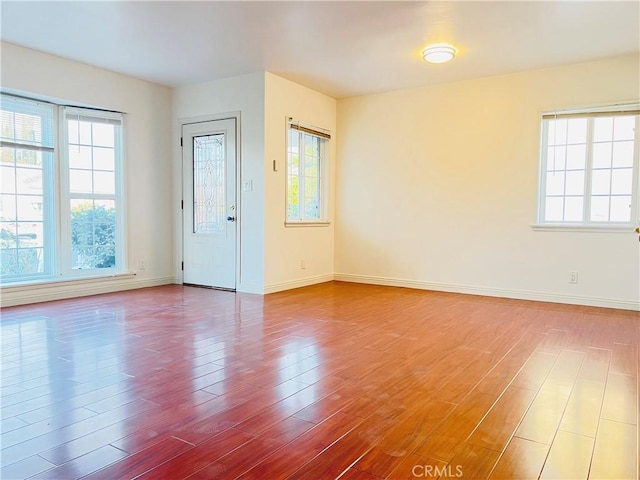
[(604, 111), (26, 124), (310, 129)]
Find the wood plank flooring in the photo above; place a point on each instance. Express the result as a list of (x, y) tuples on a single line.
[(331, 381)]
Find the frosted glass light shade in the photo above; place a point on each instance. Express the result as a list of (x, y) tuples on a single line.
[(440, 53)]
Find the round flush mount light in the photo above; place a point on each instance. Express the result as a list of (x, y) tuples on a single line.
[(439, 53)]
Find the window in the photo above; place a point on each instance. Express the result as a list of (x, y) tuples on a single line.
[(306, 164), (26, 170), (589, 168), (61, 196)]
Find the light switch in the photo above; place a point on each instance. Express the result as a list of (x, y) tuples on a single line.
[(247, 185)]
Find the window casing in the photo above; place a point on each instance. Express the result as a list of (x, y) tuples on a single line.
[(75, 225), (307, 158), (589, 169)]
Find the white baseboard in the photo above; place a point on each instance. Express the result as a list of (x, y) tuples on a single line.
[(303, 282), (490, 292), (46, 292), (57, 291)]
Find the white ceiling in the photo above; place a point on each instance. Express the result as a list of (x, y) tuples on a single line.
[(339, 48)]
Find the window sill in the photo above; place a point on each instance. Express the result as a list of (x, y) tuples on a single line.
[(74, 280), (550, 227), (307, 224)]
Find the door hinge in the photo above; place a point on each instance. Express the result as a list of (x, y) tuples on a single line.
[(180, 141), (182, 267)]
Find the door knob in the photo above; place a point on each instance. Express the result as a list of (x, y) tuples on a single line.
[(231, 219), (637, 229)]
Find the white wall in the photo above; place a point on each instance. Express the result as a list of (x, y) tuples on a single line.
[(287, 247), (437, 188), (243, 94), (147, 160)]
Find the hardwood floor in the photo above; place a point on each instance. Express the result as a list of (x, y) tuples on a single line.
[(331, 381)]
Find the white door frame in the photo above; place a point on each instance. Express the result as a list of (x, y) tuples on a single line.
[(209, 118)]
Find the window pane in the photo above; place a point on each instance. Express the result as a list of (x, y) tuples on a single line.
[(602, 155), (103, 135), (8, 179), (576, 156), (29, 207), (621, 181), (84, 132), (7, 156), (209, 194), (29, 234), (8, 207), (311, 146), (311, 167), (104, 158), (72, 132), (621, 209), (599, 209), (29, 180), (293, 197), (602, 129), (8, 238), (557, 132), (79, 132), (30, 261), (8, 258), (555, 183), (577, 130), (294, 140), (29, 158), (80, 181), (553, 209), (311, 209), (104, 182), (624, 127), (311, 187), (93, 233), (573, 207), (293, 209), (79, 157), (9, 233), (293, 164), (556, 158), (623, 154), (600, 182), (575, 183)]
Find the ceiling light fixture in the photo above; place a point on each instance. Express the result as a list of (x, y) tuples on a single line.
[(439, 53)]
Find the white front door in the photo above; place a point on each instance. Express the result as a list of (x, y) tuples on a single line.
[(210, 210)]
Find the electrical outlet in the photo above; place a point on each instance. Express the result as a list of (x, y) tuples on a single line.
[(302, 265), (141, 265), (573, 277)]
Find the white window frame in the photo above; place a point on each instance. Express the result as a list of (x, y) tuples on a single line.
[(586, 224), (66, 196), (58, 262), (49, 212), (301, 129)]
